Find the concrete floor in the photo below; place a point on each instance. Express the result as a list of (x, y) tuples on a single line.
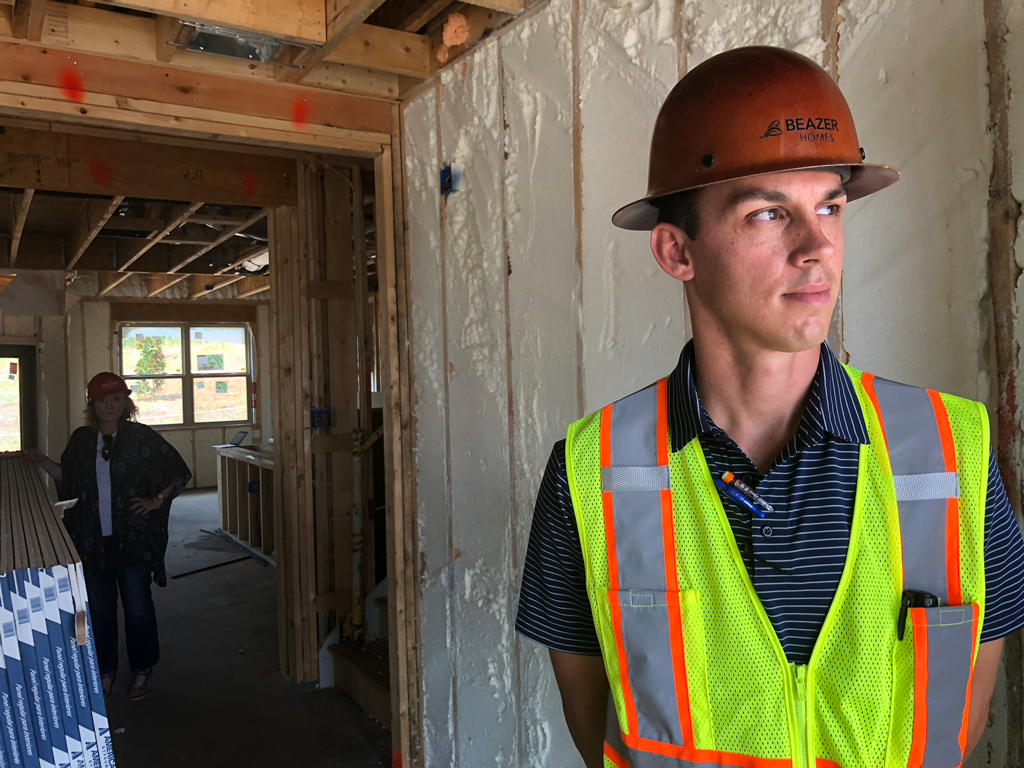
[(217, 700)]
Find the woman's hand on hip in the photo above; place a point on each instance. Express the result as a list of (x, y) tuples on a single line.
[(142, 506)]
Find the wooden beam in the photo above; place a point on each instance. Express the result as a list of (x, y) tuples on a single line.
[(224, 237), (19, 213), (160, 283), (423, 15), (299, 20), (296, 108), (28, 19), (136, 224), (47, 251), (91, 218), (387, 50), (250, 286), (247, 256), (211, 285), (155, 238), (178, 310), (61, 162), (171, 35), (502, 6), (131, 37), (343, 17), (108, 281)]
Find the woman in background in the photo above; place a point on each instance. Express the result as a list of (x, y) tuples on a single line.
[(124, 475)]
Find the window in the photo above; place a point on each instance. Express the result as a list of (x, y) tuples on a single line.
[(17, 397), (188, 375)]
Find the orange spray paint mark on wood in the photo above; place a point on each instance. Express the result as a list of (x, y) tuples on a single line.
[(71, 85)]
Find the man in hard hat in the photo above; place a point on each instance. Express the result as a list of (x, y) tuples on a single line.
[(769, 558)]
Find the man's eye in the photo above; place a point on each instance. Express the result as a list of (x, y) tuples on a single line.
[(769, 214), (830, 210)]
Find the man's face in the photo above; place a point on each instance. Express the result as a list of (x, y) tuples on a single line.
[(768, 258)]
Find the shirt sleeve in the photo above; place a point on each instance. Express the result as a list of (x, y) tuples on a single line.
[(1004, 562), (554, 609)]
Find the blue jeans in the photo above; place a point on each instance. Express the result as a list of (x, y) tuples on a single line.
[(139, 617)]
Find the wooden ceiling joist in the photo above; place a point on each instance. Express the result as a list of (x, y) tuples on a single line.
[(62, 162), (298, 20), (92, 217), (130, 37), (343, 17), (203, 286), (224, 237), (250, 286), (156, 284), (387, 50), (423, 15), (154, 83), (108, 281), (247, 256), (29, 17), (171, 35), (155, 238), (19, 213)]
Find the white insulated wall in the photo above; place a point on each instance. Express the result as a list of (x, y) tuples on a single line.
[(522, 322)]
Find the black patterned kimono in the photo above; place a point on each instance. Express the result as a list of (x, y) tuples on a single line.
[(142, 464)]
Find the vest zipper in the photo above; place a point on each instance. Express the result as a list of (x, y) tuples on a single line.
[(801, 737)]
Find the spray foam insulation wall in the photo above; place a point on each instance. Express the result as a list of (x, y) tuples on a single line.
[(589, 317), (915, 268)]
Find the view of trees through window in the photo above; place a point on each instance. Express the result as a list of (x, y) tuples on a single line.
[(212, 387)]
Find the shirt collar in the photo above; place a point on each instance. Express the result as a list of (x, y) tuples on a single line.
[(833, 406)]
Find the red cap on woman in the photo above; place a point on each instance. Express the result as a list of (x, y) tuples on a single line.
[(106, 383)]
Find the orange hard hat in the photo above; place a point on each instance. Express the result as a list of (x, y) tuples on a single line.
[(748, 112)]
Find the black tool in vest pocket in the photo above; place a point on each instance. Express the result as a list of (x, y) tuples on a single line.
[(912, 599)]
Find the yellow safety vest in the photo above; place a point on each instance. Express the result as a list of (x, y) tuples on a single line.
[(698, 676)]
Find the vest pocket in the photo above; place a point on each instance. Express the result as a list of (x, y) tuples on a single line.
[(660, 643), (943, 639)]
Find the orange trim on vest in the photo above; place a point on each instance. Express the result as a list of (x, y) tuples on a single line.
[(663, 423), (970, 681), (952, 505), (704, 755), (821, 762), (612, 754), (868, 382), (675, 622), (620, 647), (606, 436), (919, 619)]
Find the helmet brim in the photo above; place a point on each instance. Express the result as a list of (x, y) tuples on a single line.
[(864, 180)]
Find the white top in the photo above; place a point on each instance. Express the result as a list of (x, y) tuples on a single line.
[(103, 485)]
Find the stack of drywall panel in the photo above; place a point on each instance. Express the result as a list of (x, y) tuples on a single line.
[(51, 701)]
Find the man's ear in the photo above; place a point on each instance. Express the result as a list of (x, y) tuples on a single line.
[(673, 250)]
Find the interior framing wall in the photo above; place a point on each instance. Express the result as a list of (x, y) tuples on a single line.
[(163, 120)]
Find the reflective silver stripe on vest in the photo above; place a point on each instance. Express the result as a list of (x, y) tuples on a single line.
[(638, 759), (932, 485), (915, 449), (950, 648), (622, 479), (635, 481)]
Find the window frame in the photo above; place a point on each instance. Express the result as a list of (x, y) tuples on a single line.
[(187, 377)]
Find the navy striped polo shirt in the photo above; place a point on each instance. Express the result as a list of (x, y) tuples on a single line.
[(795, 557)]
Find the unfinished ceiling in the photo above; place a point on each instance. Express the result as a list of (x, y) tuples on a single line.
[(369, 47)]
